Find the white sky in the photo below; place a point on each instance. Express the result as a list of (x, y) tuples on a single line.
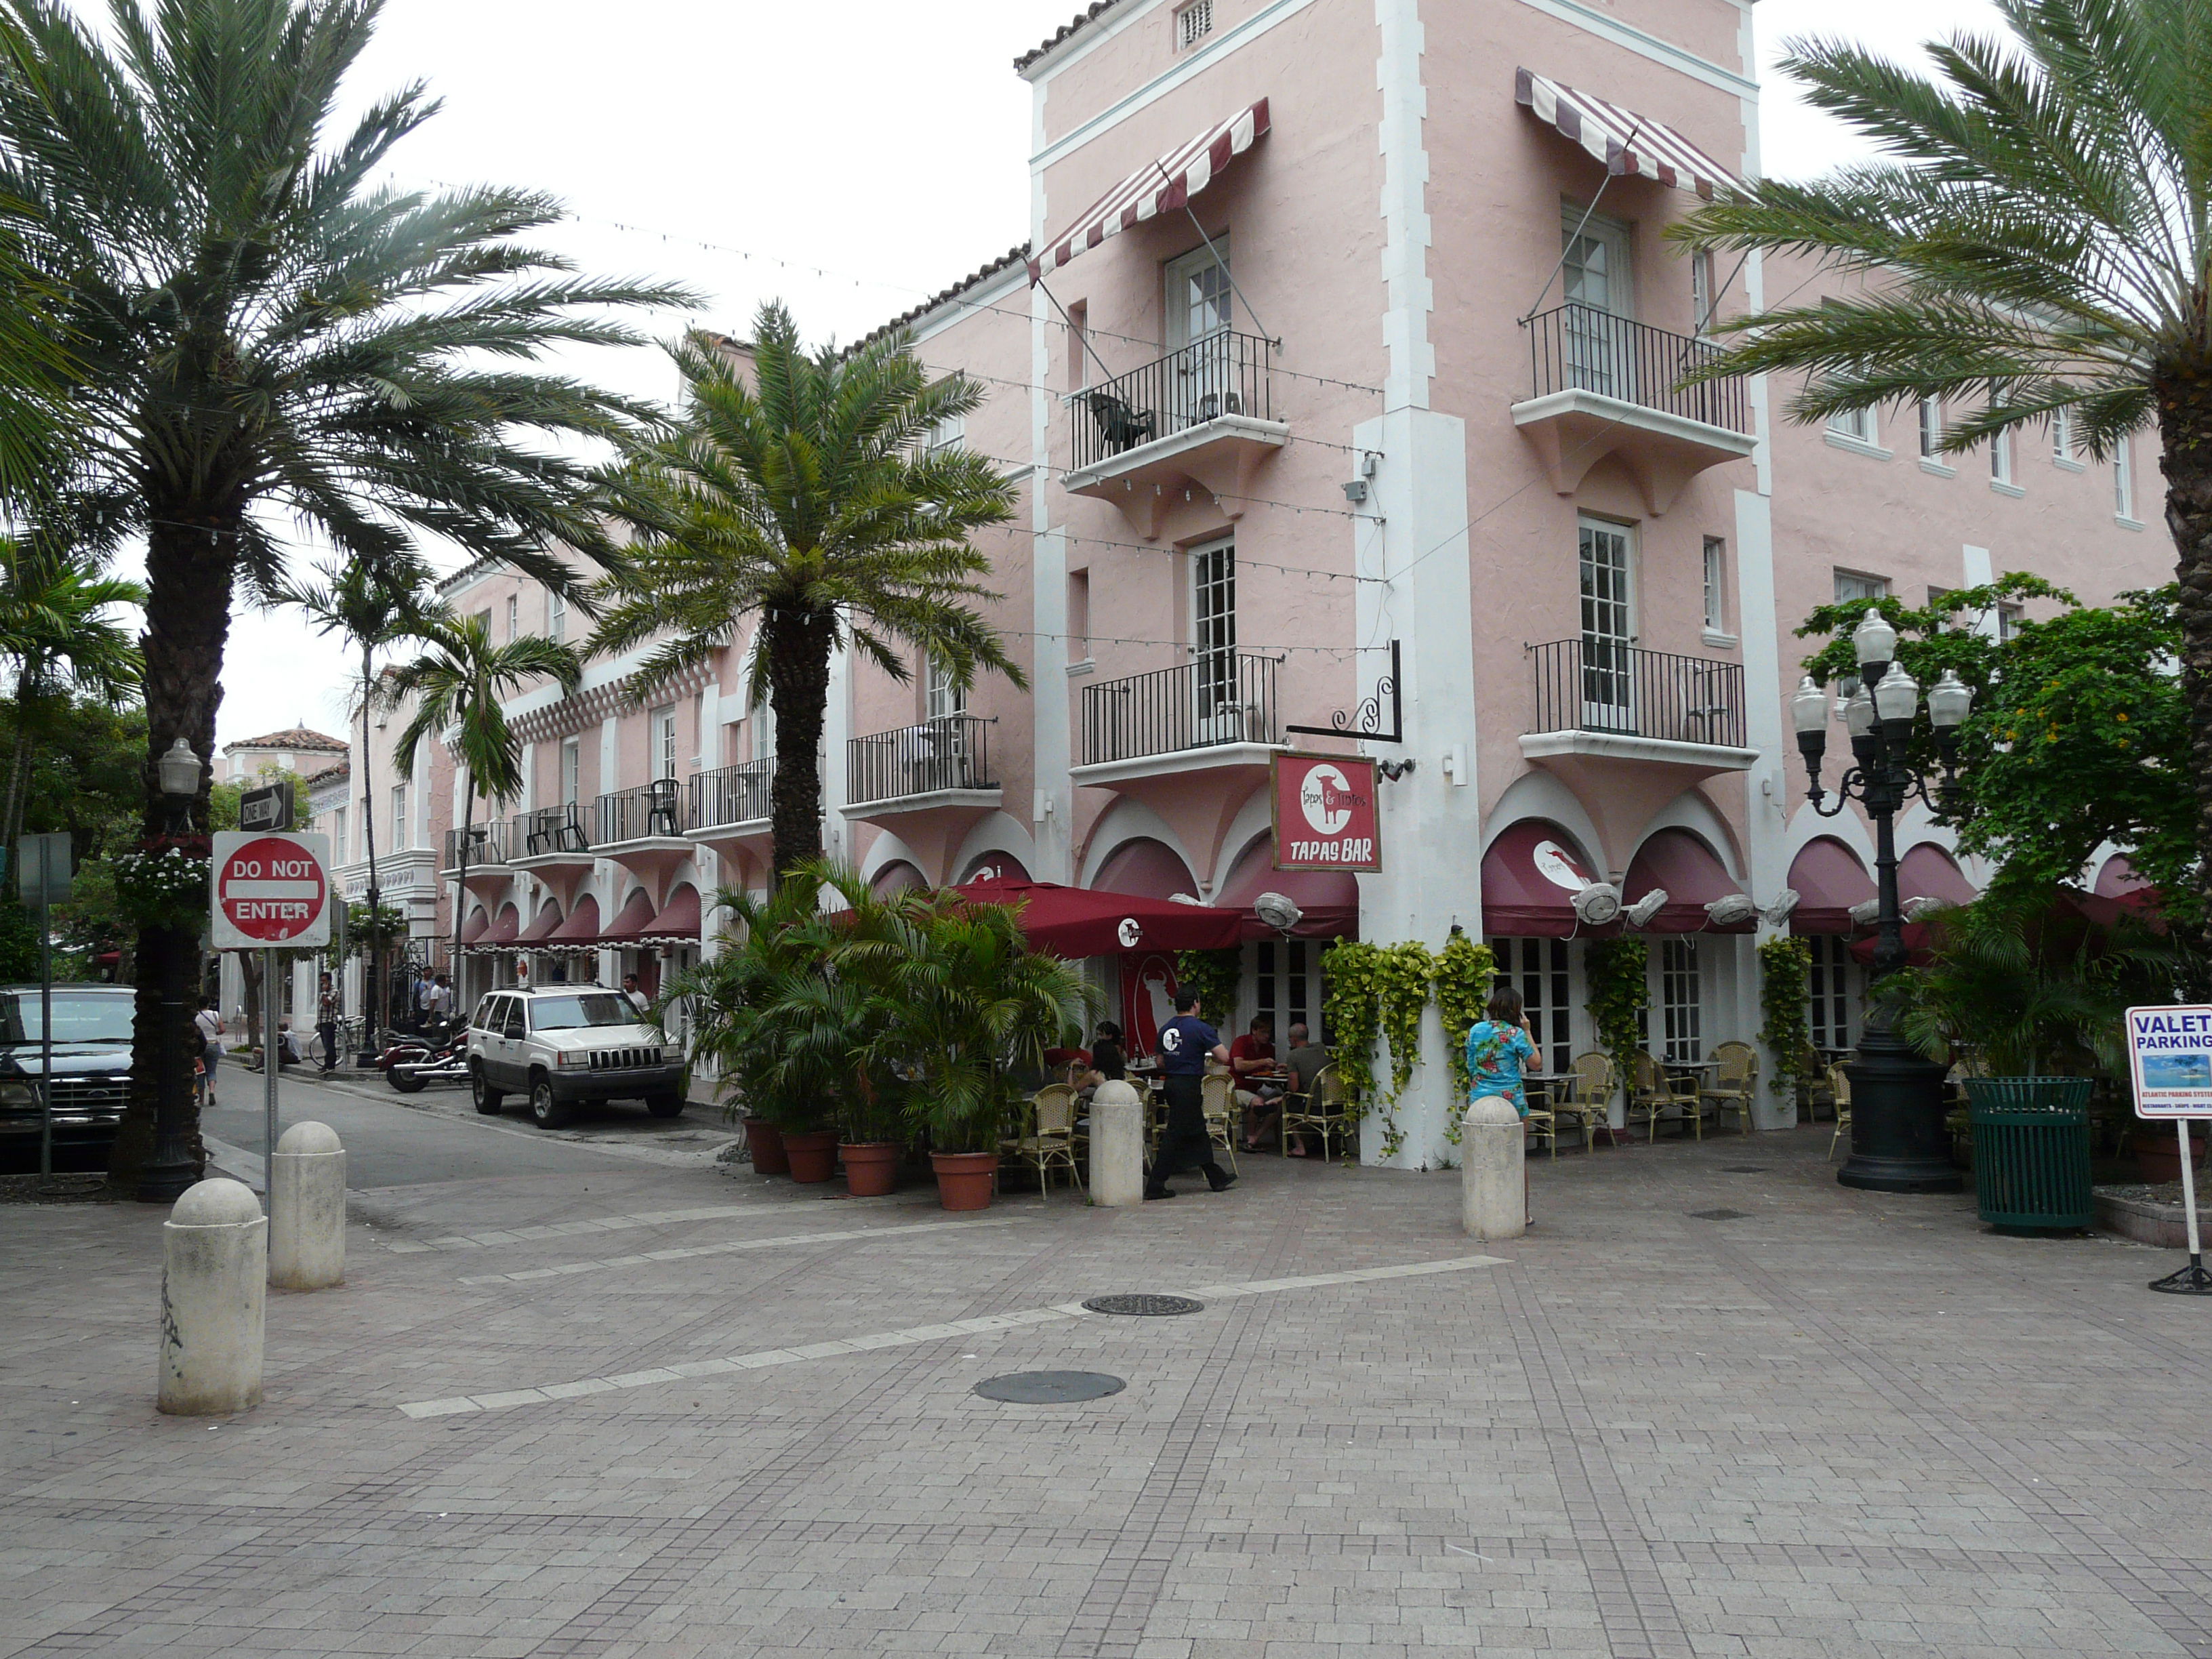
[(850, 157)]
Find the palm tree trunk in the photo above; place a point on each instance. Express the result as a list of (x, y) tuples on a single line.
[(19, 760), (190, 557), (461, 882), (373, 1002), (2185, 402), (798, 689)]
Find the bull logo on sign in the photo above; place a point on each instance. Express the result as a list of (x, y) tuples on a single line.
[(1327, 799)]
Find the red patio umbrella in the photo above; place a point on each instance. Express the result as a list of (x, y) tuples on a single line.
[(1077, 922)]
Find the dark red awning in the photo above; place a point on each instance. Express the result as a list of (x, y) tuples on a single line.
[(504, 929), (477, 925), (1530, 876), (634, 921), (580, 930), (678, 920), (1146, 868), (549, 918), (1330, 898), (1928, 871), (1685, 867), (1829, 880), (1078, 921)]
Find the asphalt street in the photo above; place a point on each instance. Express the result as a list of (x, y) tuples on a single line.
[(396, 1140)]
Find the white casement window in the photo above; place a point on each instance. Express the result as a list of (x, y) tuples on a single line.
[(572, 756), (513, 615), (401, 841), (945, 433), (942, 697), (699, 727), (1855, 424), (1197, 295), (661, 724), (1286, 983), (1597, 279), (1213, 636), (556, 615), (1701, 291), (1850, 585), (1193, 24), (1606, 560), (1680, 1013), (1716, 584), (338, 836), (1834, 987), (2064, 445), (2001, 458), (1931, 428), (2008, 620), (2124, 480), (1538, 968)]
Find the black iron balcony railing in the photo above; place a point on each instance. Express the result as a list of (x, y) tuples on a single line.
[(1223, 697), (489, 846), (548, 829), (951, 752), (651, 809), (1600, 686), (732, 794), (1225, 373), (1579, 348)]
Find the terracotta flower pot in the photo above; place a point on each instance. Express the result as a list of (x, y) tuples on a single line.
[(813, 1156), (965, 1180), (2158, 1153), (765, 1141), (871, 1167)]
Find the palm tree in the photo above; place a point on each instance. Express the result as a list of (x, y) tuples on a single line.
[(57, 634), (458, 685), (262, 335), (370, 607), (804, 494), (2036, 239)]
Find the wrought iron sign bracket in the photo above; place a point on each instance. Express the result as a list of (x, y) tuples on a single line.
[(1366, 720)]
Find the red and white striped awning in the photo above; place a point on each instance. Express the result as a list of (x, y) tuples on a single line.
[(1625, 141), (1156, 187)]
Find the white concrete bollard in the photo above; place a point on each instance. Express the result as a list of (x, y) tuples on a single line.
[(1117, 1146), (1493, 1197), (307, 1210), (214, 1285)]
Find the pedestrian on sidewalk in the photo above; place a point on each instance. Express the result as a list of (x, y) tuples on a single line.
[(208, 1024), (1500, 1050), (326, 1025), (1187, 1043)]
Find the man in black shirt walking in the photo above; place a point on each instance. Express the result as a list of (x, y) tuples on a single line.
[(1187, 1043)]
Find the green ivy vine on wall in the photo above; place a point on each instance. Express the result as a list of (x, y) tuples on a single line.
[(1618, 973), (1784, 996), (1352, 1007), (1460, 981), (1380, 991), (1213, 977)]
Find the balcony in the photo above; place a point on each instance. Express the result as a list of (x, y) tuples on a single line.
[(551, 844), (487, 872), (1602, 385), (728, 813), (1628, 730), (1203, 415), (642, 828), (930, 784)]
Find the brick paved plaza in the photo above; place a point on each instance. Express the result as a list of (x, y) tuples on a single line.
[(1829, 1424)]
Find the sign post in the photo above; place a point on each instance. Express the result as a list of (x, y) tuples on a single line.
[(2170, 1063), (42, 876), (272, 891)]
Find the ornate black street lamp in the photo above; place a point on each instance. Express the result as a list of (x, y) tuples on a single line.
[(172, 1166), (1897, 1139)]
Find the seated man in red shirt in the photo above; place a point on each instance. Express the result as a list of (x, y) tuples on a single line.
[(1252, 1062)]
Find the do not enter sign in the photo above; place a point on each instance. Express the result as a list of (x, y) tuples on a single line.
[(270, 891)]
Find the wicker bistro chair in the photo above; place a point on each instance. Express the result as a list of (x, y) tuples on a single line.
[(1585, 1094), (1735, 1085), (1049, 1142), (1218, 1093), (1840, 1087), (1657, 1093), (1319, 1113)]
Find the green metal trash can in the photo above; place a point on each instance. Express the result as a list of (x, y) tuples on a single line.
[(2031, 1151)]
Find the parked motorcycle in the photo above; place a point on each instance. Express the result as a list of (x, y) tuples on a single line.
[(445, 1060)]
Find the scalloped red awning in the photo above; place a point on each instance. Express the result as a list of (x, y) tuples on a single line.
[(1077, 922), (635, 921), (581, 929), (678, 920), (549, 919)]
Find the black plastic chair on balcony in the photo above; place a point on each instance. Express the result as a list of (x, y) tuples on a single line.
[(660, 812), (1122, 427)]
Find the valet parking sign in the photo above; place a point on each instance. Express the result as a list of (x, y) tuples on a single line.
[(1325, 814), (2170, 1052), (272, 891)]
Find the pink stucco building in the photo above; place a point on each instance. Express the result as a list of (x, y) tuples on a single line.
[(1346, 340)]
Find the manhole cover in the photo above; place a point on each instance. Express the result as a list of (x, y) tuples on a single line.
[(1146, 1306), (1717, 1215), (1049, 1387), (1743, 1169)]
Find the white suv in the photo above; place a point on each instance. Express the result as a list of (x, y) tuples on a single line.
[(559, 1044)]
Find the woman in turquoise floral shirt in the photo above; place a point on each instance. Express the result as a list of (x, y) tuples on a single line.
[(1498, 1048)]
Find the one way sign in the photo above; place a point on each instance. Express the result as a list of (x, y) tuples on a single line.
[(267, 808)]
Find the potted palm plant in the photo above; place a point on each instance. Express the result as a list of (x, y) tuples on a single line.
[(969, 1006)]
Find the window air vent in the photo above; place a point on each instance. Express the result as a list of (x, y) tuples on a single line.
[(1193, 23)]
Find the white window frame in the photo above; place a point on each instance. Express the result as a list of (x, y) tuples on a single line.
[(1702, 303), (514, 617), (660, 753), (1833, 990), (572, 770), (2065, 441), (1286, 984), (402, 840), (1680, 1000), (1544, 971), (1177, 276), (941, 698), (557, 614), (1613, 681), (338, 836), (2124, 483), (1855, 428), (1853, 585), (1931, 430), (2001, 469), (1716, 583)]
